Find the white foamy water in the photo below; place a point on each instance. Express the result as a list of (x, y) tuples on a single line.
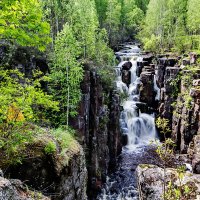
[(137, 126)]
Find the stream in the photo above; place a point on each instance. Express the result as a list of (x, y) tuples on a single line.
[(137, 127)]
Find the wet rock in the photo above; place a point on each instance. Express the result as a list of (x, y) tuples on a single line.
[(147, 94), (126, 77), (143, 107), (172, 61), (162, 61), (124, 140), (140, 66), (150, 68), (148, 58), (160, 75), (127, 66)]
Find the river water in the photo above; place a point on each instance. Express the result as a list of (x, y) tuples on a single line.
[(138, 127)]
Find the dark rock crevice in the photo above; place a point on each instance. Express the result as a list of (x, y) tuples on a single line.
[(98, 129)]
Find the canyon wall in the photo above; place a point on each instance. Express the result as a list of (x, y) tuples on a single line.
[(98, 132), (98, 129)]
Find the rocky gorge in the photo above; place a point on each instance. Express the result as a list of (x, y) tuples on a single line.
[(180, 105), (105, 157), (81, 170)]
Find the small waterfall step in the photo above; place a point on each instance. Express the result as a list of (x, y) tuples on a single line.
[(136, 125)]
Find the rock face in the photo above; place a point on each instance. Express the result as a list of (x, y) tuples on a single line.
[(126, 74), (186, 117), (98, 128), (194, 153), (65, 177), (16, 190), (126, 77), (179, 99), (98, 132), (166, 73), (151, 185), (73, 180), (147, 94)]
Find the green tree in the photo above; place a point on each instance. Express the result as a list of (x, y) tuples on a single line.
[(101, 7), (21, 22), (22, 102), (131, 17), (193, 16), (142, 4), (112, 22), (66, 74), (193, 21), (165, 24), (78, 39)]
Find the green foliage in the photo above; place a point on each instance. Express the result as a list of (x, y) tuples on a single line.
[(186, 77), (152, 43), (66, 74), (165, 150), (82, 18), (50, 147), (103, 56), (172, 189), (175, 23), (13, 145), (142, 4), (65, 136), (193, 16), (77, 40), (20, 104), (21, 23), (22, 99), (180, 191), (123, 18)]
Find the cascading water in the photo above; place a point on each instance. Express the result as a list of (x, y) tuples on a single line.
[(139, 128)]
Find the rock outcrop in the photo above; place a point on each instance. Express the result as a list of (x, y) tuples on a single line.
[(14, 189), (180, 104), (147, 94), (186, 116), (151, 179), (59, 175), (179, 99), (194, 153), (98, 129)]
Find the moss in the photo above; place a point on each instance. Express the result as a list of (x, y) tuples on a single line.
[(63, 142), (145, 166)]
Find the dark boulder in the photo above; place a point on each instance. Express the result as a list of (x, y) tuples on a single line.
[(127, 66)]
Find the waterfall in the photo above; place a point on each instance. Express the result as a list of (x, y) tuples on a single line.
[(139, 127), (136, 126), (156, 89)]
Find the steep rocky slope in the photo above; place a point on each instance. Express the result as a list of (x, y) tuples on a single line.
[(98, 128)]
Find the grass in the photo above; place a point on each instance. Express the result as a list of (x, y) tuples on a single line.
[(59, 144)]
